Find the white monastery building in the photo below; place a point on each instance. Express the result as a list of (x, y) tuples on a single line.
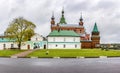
[(63, 39)]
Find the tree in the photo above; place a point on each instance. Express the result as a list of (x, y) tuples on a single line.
[(21, 30)]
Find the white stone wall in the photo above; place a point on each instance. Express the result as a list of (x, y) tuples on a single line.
[(64, 46), (7, 45), (59, 42), (63, 39)]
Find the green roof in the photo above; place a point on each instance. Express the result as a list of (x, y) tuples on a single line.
[(6, 40), (95, 29), (63, 33), (62, 20)]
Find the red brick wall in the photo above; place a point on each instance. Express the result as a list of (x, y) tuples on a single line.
[(86, 45)]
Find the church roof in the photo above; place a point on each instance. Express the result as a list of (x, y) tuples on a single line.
[(63, 33), (95, 29)]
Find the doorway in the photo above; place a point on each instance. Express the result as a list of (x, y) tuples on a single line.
[(44, 46), (28, 47)]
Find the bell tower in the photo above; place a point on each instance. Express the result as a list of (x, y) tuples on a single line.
[(95, 37), (53, 19), (81, 21)]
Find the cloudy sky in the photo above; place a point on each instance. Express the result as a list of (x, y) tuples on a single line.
[(106, 13)]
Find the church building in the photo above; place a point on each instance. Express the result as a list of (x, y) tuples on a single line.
[(85, 39)]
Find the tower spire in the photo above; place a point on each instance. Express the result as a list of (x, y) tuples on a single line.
[(52, 19), (62, 20), (81, 20), (53, 16), (95, 29), (63, 12)]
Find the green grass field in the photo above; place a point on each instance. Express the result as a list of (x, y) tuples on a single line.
[(74, 53), (8, 53)]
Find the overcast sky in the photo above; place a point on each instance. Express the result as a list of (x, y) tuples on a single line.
[(106, 13)]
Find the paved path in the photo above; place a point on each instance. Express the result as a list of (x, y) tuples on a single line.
[(22, 54)]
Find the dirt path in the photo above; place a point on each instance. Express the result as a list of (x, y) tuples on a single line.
[(22, 54)]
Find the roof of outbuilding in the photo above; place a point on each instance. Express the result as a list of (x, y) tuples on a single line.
[(6, 40)]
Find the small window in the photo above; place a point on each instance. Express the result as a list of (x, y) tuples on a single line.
[(75, 46), (64, 45), (53, 39), (56, 45), (64, 39), (74, 39), (80, 31), (12, 45), (4, 45), (36, 39)]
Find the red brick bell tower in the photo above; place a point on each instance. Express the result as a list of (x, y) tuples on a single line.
[(95, 37)]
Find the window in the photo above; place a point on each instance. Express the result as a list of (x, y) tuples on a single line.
[(74, 39), (12, 45), (80, 31), (53, 39), (75, 46), (56, 45), (64, 45), (64, 39), (36, 39), (4, 45)]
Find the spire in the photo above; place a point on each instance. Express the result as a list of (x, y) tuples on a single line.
[(95, 29), (63, 11), (62, 20), (52, 19), (81, 20)]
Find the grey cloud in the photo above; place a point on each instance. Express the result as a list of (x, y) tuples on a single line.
[(105, 12)]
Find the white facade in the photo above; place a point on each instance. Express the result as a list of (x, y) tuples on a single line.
[(37, 37), (7, 45), (35, 43), (64, 43)]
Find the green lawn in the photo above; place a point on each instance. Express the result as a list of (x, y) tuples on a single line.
[(74, 53), (8, 53)]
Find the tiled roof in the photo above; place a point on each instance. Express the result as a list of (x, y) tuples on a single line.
[(63, 33)]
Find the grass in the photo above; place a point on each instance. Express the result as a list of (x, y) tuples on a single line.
[(74, 53), (8, 53)]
